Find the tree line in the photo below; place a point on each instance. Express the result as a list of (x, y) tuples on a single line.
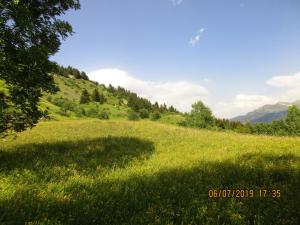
[(137, 103), (201, 117), (70, 71)]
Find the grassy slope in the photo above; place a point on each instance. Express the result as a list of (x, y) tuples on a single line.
[(119, 172), (71, 89)]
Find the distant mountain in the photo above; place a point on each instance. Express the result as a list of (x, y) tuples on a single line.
[(267, 113)]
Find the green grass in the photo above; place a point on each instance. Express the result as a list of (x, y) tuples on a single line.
[(71, 90), (171, 118), (121, 172)]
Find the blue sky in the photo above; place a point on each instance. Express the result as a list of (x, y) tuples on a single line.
[(235, 55)]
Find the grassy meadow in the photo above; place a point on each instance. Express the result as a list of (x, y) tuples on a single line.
[(122, 172)]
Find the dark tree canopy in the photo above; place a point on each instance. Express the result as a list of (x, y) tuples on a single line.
[(85, 97), (30, 32)]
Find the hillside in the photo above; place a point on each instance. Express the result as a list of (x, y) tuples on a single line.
[(65, 103), (122, 172), (267, 113)]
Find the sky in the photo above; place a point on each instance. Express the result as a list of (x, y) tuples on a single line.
[(234, 55)]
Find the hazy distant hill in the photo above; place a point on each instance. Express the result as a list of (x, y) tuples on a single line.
[(267, 113)]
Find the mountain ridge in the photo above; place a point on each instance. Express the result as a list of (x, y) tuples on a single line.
[(267, 113)]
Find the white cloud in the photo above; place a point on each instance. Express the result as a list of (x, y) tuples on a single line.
[(242, 104), (290, 91), (290, 81), (290, 84), (181, 94), (194, 40), (176, 2)]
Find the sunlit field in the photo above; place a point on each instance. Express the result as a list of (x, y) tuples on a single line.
[(121, 172)]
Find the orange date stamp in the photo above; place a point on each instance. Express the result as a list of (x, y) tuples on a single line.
[(243, 193)]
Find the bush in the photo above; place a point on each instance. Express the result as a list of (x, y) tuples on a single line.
[(49, 98), (132, 115), (144, 113), (103, 115), (64, 103), (155, 116), (63, 112), (85, 97), (80, 112), (92, 112)]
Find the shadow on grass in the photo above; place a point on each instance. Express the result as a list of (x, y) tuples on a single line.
[(173, 197), (83, 155)]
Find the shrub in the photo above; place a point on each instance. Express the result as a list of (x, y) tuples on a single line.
[(132, 115), (155, 116), (63, 112), (85, 97), (92, 112), (80, 111), (49, 98), (144, 113), (103, 115)]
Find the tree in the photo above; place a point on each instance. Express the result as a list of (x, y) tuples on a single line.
[(172, 109), (85, 97), (144, 113), (200, 116), (132, 115), (84, 76), (30, 32), (156, 106), (293, 120), (96, 96), (155, 116)]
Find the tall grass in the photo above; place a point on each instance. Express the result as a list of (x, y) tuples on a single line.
[(121, 172)]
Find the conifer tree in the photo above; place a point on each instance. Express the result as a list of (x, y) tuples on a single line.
[(85, 97), (96, 96)]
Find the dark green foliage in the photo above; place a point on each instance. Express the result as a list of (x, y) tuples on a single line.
[(49, 98), (200, 116), (85, 97), (155, 106), (84, 76), (155, 115), (172, 109), (163, 108), (63, 112), (80, 112), (293, 120), (103, 115), (132, 115), (97, 97), (111, 89), (92, 112), (137, 103), (30, 32), (99, 114), (144, 113), (67, 71), (64, 103), (290, 126)]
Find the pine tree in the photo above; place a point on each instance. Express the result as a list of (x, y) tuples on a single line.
[(85, 97), (96, 96)]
